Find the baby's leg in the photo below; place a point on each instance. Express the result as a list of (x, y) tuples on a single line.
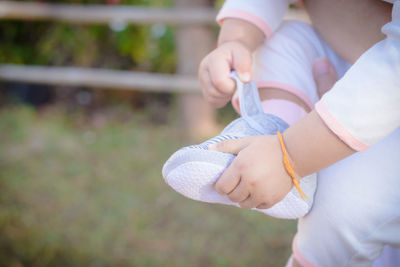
[(356, 209), (282, 70)]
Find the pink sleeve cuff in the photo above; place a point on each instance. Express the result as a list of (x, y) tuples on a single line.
[(243, 15), (338, 128)]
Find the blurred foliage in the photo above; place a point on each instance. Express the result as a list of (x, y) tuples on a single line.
[(118, 46), (87, 191)]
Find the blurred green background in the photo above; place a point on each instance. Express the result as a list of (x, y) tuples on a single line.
[(80, 181), (144, 48)]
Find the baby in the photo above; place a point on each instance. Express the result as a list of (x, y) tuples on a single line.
[(352, 220)]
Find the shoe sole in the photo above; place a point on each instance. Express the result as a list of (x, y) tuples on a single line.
[(199, 165)]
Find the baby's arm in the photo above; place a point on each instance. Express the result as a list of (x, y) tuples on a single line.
[(244, 26), (313, 146), (238, 30), (266, 15), (238, 39)]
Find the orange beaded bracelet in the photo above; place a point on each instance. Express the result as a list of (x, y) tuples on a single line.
[(289, 168)]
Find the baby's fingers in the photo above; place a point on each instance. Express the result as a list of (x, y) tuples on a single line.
[(263, 206), (240, 193), (220, 70), (210, 93), (232, 146), (249, 203), (228, 181), (241, 62)]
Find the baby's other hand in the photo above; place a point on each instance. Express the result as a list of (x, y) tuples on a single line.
[(215, 69), (256, 178)]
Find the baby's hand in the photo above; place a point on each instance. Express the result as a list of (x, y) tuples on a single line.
[(215, 69), (256, 178)]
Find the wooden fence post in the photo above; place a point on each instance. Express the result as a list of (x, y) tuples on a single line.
[(193, 43)]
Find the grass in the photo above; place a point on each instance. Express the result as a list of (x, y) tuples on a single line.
[(88, 192)]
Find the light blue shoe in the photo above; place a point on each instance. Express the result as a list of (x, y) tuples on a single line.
[(193, 170)]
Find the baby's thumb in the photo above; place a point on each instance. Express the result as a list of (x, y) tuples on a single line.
[(325, 75), (233, 146), (241, 62)]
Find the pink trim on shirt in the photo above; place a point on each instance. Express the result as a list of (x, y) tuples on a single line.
[(288, 88), (338, 128), (240, 14), (299, 257)]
